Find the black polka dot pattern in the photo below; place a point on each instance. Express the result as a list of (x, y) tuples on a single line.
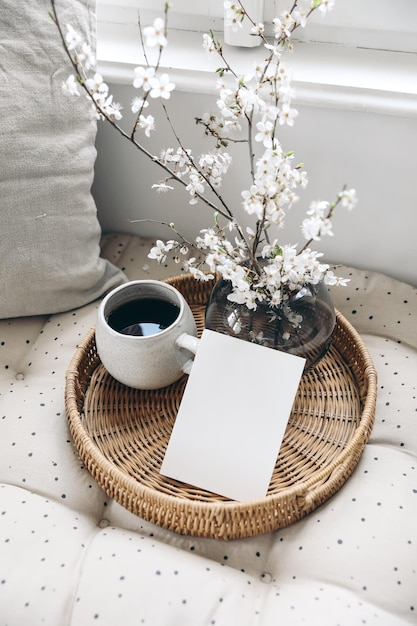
[(71, 555)]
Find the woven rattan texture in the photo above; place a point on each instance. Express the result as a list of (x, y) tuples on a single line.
[(121, 435)]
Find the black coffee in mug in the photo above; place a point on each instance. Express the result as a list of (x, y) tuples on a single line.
[(143, 317)]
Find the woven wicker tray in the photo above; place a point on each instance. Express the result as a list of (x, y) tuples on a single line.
[(121, 435)]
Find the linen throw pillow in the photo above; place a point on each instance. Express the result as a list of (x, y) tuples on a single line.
[(49, 232)]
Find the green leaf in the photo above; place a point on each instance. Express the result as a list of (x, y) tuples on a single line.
[(277, 250)]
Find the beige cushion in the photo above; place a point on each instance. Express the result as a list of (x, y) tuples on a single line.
[(49, 232)]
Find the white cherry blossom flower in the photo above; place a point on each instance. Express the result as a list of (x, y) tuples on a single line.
[(96, 84), (72, 38), (138, 104), (275, 298), (348, 198), (248, 99), (325, 5), (277, 27), (155, 35), (287, 24), (162, 187), (233, 15), (160, 250), (195, 186), (146, 123), (70, 86), (113, 109), (258, 29), (200, 275), (265, 134), (270, 111), (274, 48), (318, 208), (143, 77), (209, 240), (216, 165), (331, 279), (287, 115), (300, 17), (301, 178), (252, 201), (86, 56), (316, 227), (189, 263), (243, 296), (285, 89), (208, 43), (161, 87)]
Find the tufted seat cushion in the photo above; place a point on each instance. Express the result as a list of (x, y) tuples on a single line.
[(71, 556)]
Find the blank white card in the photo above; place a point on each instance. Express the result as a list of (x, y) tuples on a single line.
[(232, 417)]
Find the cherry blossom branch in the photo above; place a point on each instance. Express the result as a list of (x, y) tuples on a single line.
[(261, 102), (227, 212), (172, 227), (81, 80), (158, 62)]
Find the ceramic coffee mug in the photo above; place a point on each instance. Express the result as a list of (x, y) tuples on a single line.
[(146, 334)]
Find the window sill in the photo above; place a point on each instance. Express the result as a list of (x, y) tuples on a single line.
[(324, 75)]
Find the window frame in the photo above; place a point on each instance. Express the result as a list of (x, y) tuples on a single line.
[(338, 61), (372, 24)]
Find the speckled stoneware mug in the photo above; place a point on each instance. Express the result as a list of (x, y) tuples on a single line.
[(146, 334)]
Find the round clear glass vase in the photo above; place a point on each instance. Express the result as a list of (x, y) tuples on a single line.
[(302, 325)]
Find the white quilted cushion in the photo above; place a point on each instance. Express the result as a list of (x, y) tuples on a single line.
[(70, 556)]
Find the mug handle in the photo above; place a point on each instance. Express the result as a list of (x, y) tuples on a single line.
[(188, 342)]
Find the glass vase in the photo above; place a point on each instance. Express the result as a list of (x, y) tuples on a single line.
[(302, 325)]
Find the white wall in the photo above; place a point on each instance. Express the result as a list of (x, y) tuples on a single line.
[(375, 153)]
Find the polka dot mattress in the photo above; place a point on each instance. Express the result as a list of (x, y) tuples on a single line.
[(70, 556)]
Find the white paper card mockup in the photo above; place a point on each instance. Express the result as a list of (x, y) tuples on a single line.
[(232, 417)]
